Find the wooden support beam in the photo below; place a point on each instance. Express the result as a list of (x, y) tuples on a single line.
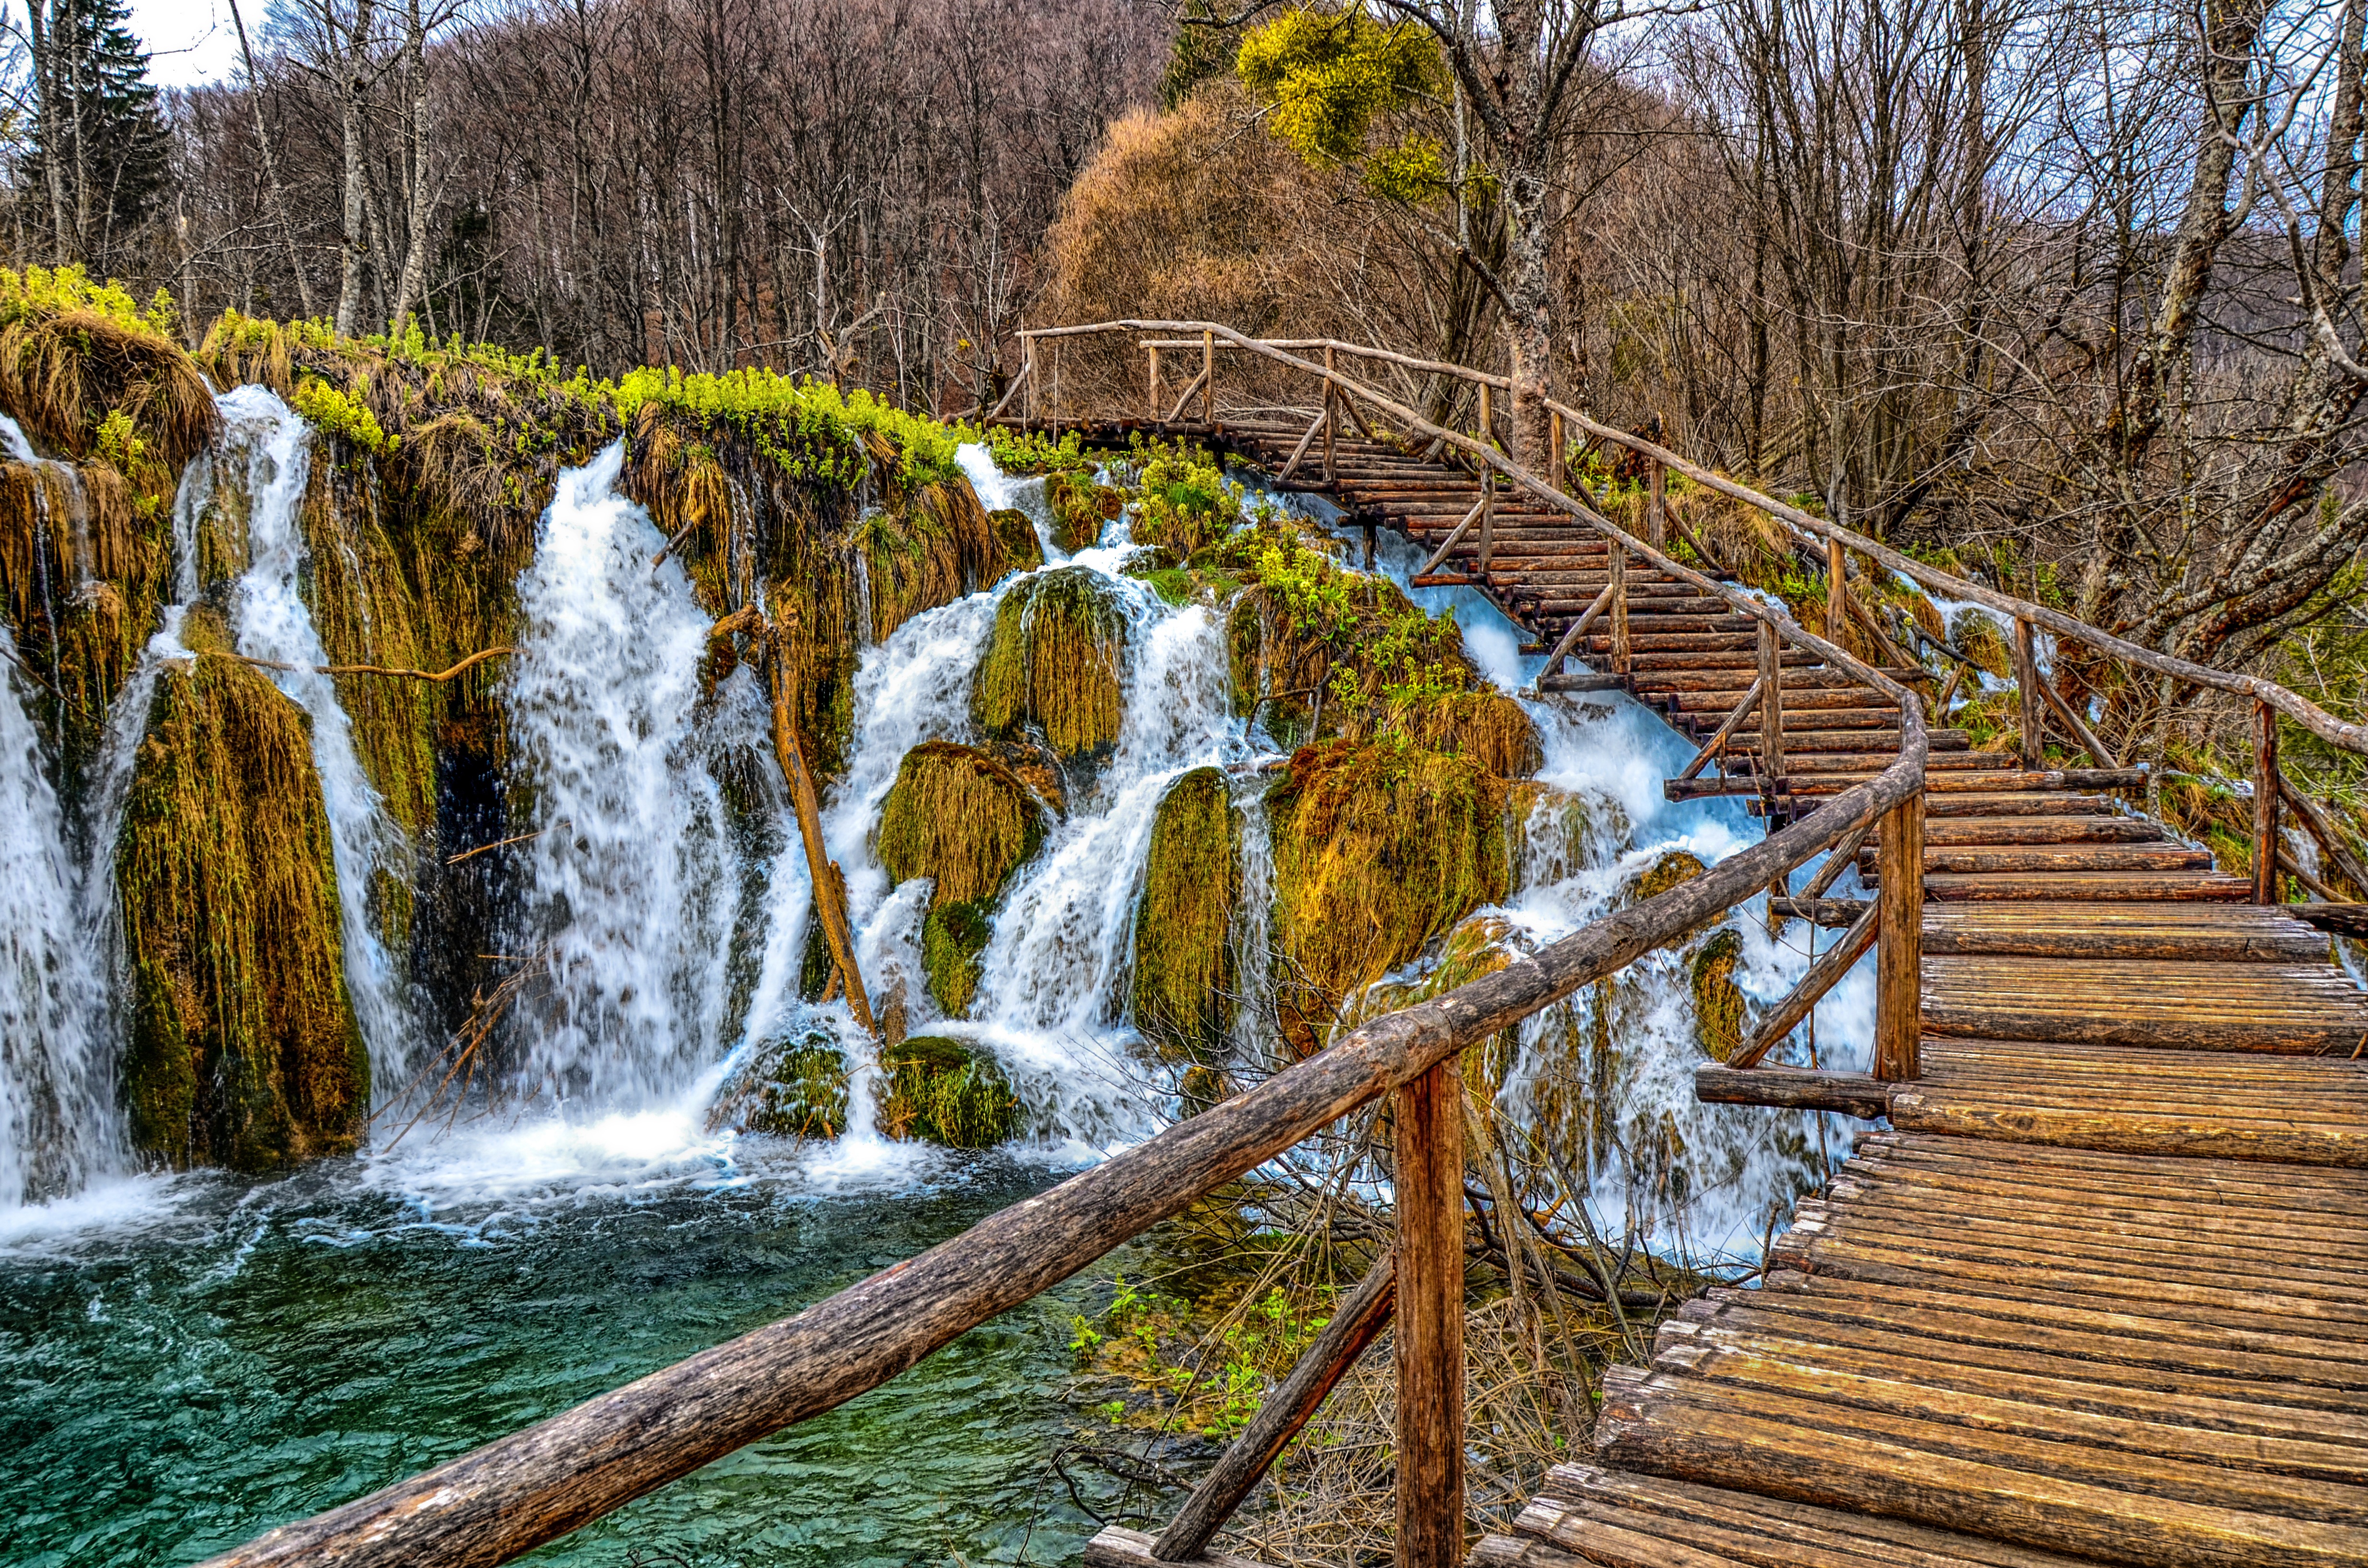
[(1196, 383), (1844, 856), (1487, 518), (1026, 364), (1619, 590), (1899, 967), (2097, 752), (1300, 451), (1151, 403), (1578, 630), (1028, 375), (1833, 914), (1794, 1089), (1479, 508), (1836, 587), (2331, 843), (1717, 741), (1657, 508), (1356, 1322), (2265, 803), (1831, 965), (1557, 460), (1771, 702), (1430, 1180), (2034, 744), (1331, 423)]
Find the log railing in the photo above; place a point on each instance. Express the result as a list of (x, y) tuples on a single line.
[(511, 1495)]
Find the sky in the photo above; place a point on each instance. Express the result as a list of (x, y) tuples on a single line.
[(189, 42)]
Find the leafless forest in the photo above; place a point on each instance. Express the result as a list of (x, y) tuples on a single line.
[(2067, 286)]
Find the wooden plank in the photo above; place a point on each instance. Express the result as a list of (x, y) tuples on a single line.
[(1115, 1546), (1793, 1088)]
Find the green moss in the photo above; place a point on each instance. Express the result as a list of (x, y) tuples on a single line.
[(967, 821), (1671, 869), (1486, 725), (792, 1087), (1015, 534), (1378, 849), (1183, 964), (1080, 507), (244, 1049), (1718, 1000), (942, 1091), (1174, 584), (1054, 664)]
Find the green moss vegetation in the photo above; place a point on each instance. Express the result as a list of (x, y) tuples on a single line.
[(1080, 508), (1055, 666), (243, 1050), (1379, 848), (1014, 536), (1718, 1000), (967, 821), (943, 1091), (1183, 963), (1673, 869), (792, 1087)]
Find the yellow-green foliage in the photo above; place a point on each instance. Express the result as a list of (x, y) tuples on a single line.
[(1032, 451), (1378, 849), (243, 1050), (86, 371), (1183, 502), (1328, 73), (1671, 869), (1055, 664), (941, 1091), (1718, 1000), (967, 821), (793, 1087), (1183, 966), (1974, 634), (808, 429), (337, 414)]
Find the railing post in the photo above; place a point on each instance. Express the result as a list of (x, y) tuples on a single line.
[(1899, 942), (1656, 508), (2034, 708), (1154, 351), (1209, 377), (2265, 803), (1429, 1171), (1619, 586), (1028, 373), (1488, 481), (1557, 468), (1837, 575), (1487, 431), (1771, 701), (1331, 419)]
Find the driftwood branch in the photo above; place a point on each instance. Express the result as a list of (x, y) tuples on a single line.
[(438, 677)]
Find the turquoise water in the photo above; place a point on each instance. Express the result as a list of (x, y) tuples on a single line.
[(224, 1356)]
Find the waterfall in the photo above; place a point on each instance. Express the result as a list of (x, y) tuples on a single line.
[(271, 623), (632, 880), (58, 1121)]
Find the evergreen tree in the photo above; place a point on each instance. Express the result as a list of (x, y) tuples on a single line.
[(99, 163)]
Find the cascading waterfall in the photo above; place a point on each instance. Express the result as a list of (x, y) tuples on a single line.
[(272, 624)]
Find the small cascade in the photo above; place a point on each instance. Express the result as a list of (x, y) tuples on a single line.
[(58, 1119), (272, 624), (632, 882), (998, 491)]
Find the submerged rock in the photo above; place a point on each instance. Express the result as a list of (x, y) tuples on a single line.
[(1055, 664), (243, 1051), (793, 1086), (1718, 1000), (943, 1091), (1183, 964), (1378, 849), (967, 821)]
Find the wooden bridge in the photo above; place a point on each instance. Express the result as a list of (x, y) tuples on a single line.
[(2098, 1293)]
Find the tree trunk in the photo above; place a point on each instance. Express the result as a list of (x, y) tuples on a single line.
[(353, 99), (420, 190), (1529, 313), (271, 165)]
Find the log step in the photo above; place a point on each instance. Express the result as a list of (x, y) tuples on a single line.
[(2103, 886), (2301, 1009), (2245, 933)]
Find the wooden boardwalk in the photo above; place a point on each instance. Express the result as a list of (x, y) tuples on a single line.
[(2101, 1292)]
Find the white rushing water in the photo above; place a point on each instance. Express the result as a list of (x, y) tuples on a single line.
[(267, 440)]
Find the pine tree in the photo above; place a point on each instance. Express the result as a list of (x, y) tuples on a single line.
[(99, 158)]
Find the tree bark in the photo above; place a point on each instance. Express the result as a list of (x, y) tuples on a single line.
[(353, 101)]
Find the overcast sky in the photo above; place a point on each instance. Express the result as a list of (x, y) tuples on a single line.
[(189, 42)]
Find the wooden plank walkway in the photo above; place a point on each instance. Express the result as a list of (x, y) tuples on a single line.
[(2101, 1292)]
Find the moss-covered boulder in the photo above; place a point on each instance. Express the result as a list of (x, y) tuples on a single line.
[(1718, 1000), (243, 1050), (1671, 869), (792, 1086), (1378, 849), (1183, 964), (1055, 664), (1015, 534), (943, 1091), (1080, 508), (967, 821), (1486, 725)]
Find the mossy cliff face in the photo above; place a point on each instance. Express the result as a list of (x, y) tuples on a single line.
[(1192, 880), (1055, 666), (243, 1050), (1378, 849), (967, 821)]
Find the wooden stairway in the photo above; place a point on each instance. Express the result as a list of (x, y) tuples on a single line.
[(2101, 1292)]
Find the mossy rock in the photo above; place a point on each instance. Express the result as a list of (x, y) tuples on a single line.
[(1977, 634), (1718, 1000), (967, 821), (1673, 869), (1015, 534), (942, 1091), (793, 1086), (1486, 725), (1552, 834), (1055, 664), (1038, 766), (1377, 851), (1080, 508), (243, 1050), (1183, 964), (1479, 945)]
